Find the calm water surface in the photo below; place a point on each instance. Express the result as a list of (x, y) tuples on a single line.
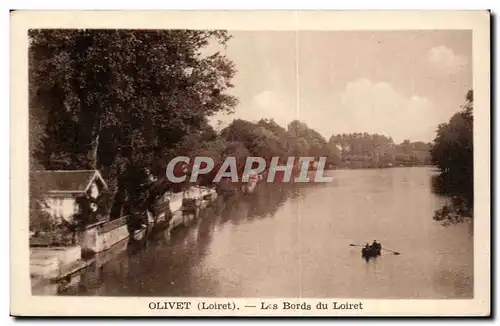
[(294, 242)]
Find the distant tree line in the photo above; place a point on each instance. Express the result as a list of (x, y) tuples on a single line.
[(362, 150), (267, 139)]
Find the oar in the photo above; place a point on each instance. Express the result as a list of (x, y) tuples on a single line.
[(394, 252)]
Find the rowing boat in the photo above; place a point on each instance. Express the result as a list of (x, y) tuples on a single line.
[(371, 252)]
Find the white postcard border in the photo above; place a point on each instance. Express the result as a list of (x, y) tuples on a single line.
[(23, 303)]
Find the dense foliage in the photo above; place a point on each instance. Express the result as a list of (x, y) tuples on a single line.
[(121, 100), (452, 153)]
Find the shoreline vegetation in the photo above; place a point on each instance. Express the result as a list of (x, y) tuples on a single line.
[(452, 152), (125, 102)]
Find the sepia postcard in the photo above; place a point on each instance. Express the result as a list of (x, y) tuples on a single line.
[(250, 163)]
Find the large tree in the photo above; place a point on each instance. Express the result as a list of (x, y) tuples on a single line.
[(452, 152), (119, 98), (38, 218)]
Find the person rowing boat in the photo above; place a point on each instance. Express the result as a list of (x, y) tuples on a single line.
[(377, 247), (372, 250)]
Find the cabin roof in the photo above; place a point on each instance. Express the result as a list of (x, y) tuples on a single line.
[(68, 181)]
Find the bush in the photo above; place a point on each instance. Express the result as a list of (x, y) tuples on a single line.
[(454, 212)]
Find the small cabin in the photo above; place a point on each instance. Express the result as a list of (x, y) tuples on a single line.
[(63, 188)]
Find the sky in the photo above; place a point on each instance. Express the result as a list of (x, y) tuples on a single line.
[(398, 83)]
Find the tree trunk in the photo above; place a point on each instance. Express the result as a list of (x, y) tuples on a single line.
[(95, 147)]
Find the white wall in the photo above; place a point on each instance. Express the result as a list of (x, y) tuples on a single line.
[(64, 207)]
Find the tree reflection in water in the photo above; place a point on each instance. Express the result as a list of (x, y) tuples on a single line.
[(460, 200), (169, 261)]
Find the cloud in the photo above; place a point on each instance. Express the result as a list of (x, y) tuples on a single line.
[(446, 60), (274, 105), (377, 107), (271, 104), (362, 106)]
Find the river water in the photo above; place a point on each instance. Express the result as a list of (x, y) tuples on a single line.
[(293, 241)]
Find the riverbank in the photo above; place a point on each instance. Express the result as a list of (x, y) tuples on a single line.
[(54, 267)]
